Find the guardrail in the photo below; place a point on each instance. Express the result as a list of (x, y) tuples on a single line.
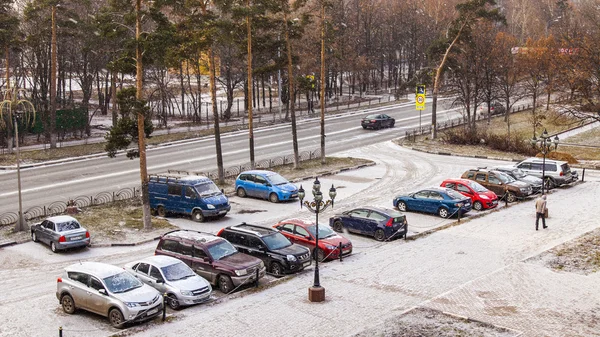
[(59, 207)]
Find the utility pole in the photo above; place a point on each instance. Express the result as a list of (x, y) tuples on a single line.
[(139, 85), (53, 82), (250, 127)]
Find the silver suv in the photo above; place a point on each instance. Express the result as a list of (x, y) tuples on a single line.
[(109, 291), (172, 277), (556, 172)]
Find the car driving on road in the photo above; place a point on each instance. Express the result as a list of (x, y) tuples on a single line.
[(109, 291), (171, 276), (60, 233), (377, 121)]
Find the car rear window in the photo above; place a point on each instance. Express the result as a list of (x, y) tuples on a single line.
[(67, 226), (454, 194), (399, 219), (565, 168), (372, 117)]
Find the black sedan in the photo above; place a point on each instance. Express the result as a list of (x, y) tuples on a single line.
[(377, 121), (380, 223), (60, 232)]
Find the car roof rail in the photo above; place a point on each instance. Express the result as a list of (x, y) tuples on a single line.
[(254, 229)]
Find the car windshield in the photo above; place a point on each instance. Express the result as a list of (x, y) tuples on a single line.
[(477, 186), (324, 231), (67, 226), (121, 282), (207, 188), (276, 241), (276, 179), (519, 173), (454, 195), (221, 250), (505, 178), (177, 271)]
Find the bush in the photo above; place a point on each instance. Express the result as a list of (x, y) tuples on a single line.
[(559, 156), (462, 136)]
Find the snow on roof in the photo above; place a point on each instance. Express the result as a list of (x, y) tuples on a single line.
[(61, 218), (160, 260), (98, 269), (193, 235)]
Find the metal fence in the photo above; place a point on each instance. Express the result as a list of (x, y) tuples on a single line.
[(59, 207)]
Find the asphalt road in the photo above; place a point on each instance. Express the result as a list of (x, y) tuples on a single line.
[(60, 182)]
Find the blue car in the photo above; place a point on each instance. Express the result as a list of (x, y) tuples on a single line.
[(380, 223), (266, 185), (442, 201)]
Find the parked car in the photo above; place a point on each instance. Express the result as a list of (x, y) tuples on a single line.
[(266, 185), (444, 202), (60, 233), (211, 257), (557, 173), (171, 276), (380, 223), (193, 195), (273, 248), (109, 291), (518, 174), (496, 108), (481, 197), (304, 232), (500, 183), (377, 121)]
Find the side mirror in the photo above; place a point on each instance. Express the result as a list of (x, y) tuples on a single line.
[(268, 184), (308, 237), (103, 292), (261, 247), (223, 191), (160, 281)]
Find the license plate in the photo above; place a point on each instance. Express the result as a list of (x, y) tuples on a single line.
[(306, 264), (153, 311), (294, 195), (77, 238), (222, 212), (494, 202)]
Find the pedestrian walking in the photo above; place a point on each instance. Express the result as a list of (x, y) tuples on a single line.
[(540, 209)]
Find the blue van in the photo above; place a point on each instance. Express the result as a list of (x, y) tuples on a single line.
[(192, 195), (266, 185)]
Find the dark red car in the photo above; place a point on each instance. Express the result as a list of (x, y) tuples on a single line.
[(481, 197), (303, 232)]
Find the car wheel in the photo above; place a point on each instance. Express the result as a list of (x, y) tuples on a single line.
[(173, 302), (338, 226), (443, 213), (511, 197), (225, 284), (276, 269), (364, 127), (241, 192), (53, 247), (197, 216), (318, 253), (392, 125), (273, 198), (34, 237), (401, 206), (379, 235), (161, 211), (68, 304), (116, 318), (549, 183), (477, 205)]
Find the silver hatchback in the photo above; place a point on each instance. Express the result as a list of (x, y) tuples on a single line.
[(172, 277), (109, 291)]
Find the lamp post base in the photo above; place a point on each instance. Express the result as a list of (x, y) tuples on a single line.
[(316, 294)]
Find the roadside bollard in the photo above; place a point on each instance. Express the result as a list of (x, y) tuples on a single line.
[(459, 208), (583, 175), (164, 307), (340, 252), (505, 197), (256, 284), (60, 331)]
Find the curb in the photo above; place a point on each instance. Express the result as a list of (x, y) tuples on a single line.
[(124, 244)]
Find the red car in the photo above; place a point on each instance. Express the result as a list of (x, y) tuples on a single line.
[(303, 232), (481, 197)]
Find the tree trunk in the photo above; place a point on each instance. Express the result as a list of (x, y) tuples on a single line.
[(292, 91), (52, 130)]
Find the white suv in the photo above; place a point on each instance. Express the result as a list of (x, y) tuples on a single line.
[(109, 291), (556, 173)]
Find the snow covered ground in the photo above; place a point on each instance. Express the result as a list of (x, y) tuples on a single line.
[(478, 269)]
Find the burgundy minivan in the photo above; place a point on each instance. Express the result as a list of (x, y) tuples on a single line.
[(212, 257)]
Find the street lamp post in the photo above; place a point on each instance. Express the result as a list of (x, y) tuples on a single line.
[(546, 144), (18, 110), (316, 293)]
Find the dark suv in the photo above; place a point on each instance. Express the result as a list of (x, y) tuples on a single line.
[(500, 183), (273, 248), (211, 257)]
